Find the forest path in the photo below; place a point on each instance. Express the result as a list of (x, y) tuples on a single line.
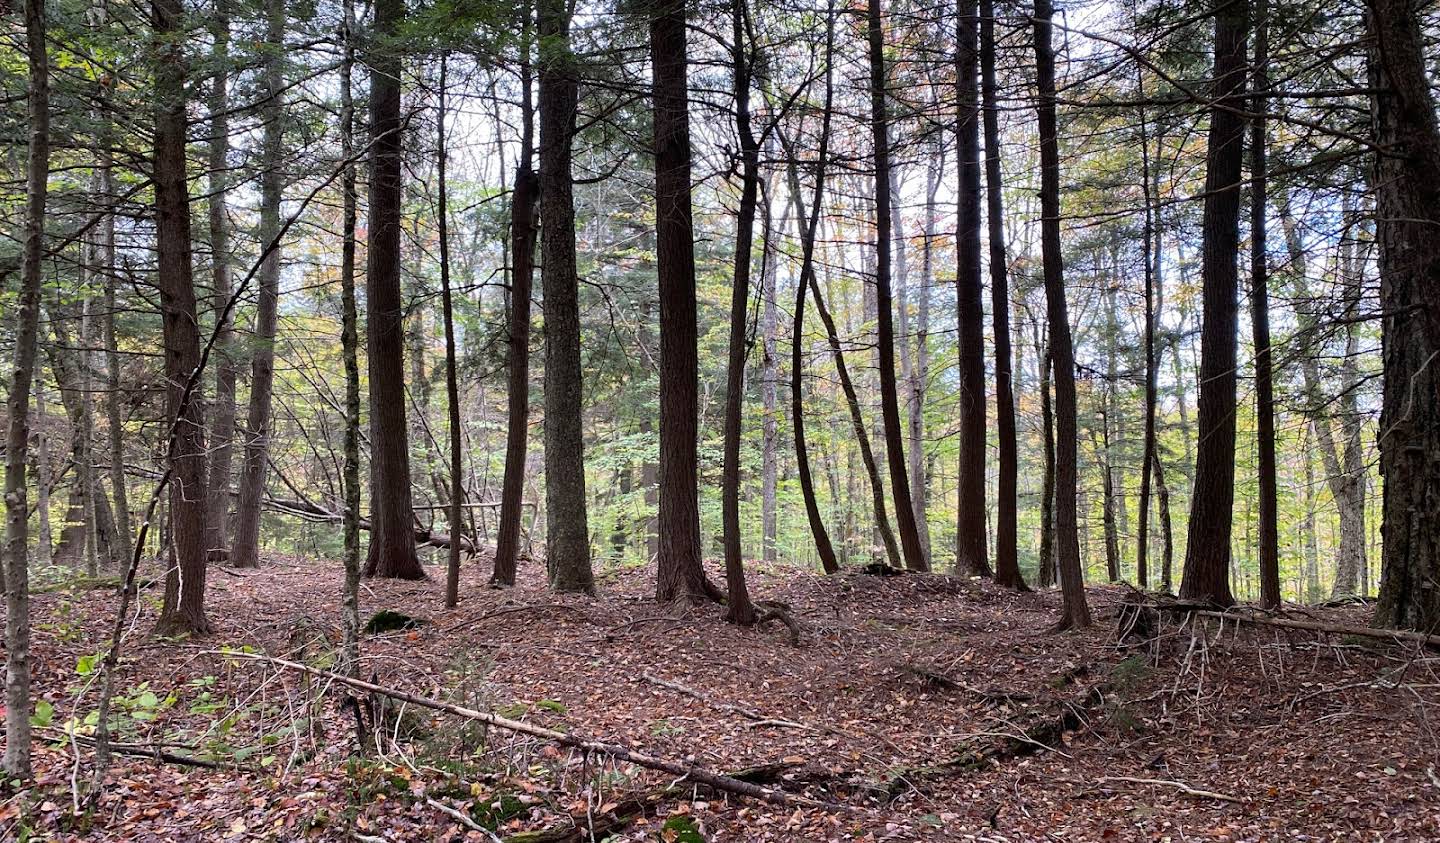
[(898, 685)]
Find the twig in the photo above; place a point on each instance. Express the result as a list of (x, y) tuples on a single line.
[(747, 713), (460, 817), (1180, 786)]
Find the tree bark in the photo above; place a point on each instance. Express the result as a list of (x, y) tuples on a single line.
[(392, 540), (739, 608), (1407, 215), (567, 531), (1269, 532), (680, 574), (17, 441), (1148, 459), (349, 351), (452, 383), (1207, 552), (246, 551), (1072, 584), (1046, 576), (524, 217), (1007, 561), (914, 552), (183, 611)]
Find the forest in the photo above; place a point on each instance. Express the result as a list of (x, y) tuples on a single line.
[(670, 420)]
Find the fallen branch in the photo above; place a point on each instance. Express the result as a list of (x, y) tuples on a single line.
[(155, 753), (747, 713), (459, 817), (1180, 786), (684, 770), (1204, 610), (950, 683)]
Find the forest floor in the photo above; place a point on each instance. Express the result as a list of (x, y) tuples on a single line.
[(927, 707)]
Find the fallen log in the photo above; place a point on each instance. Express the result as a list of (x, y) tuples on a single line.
[(747, 713), (1133, 624), (318, 514), (620, 752)]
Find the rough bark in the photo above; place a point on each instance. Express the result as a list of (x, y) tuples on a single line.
[(914, 552), (17, 440), (392, 540), (1407, 221), (183, 611), (1047, 574), (1207, 552), (567, 531), (349, 352), (1149, 237), (452, 383), (1067, 540), (246, 550), (1269, 534)]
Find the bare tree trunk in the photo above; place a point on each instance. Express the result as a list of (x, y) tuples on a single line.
[(1047, 494), (17, 441), (769, 394), (808, 226), (452, 383), (920, 373), (1072, 583), (740, 610), (1269, 533), (1149, 236), (222, 414), (524, 216), (1407, 215), (915, 558), (680, 575), (1207, 552), (1007, 561), (349, 351), (183, 611), (392, 537), (567, 530), (246, 551), (44, 478), (970, 551)]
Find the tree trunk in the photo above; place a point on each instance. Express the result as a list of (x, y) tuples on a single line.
[(808, 227), (1072, 583), (567, 530), (1207, 552), (17, 441), (1047, 572), (246, 551), (680, 575), (920, 372), (970, 551), (524, 216), (769, 394), (1148, 458), (392, 538), (183, 611), (1007, 562), (452, 383), (914, 552), (222, 413), (740, 610), (44, 478), (1269, 533), (1407, 215), (349, 351)]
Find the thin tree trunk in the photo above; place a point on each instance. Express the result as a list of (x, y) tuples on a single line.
[(183, 611), (1207, 551), (44, 477), (567, 530), (740, 610), (914, 552), (680, 575), (524, 215), (1269, 534), (1007, 561), (1047, 494), (920, 373), (1148, 457), (392, 538), (349, 351), (1072, 583), (769, 393), (222, 419), (970, 550), (246, 551), (17, 442), (452, 384)]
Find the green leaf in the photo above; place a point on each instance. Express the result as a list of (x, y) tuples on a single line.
[(44, 714), (85, 665)]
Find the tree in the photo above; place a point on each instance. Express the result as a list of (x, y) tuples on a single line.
[(567, 532), (885, 328), (1269, 533), (246, 551), (183, 611), (349, 352), (970, 551), (1076, 613), (1407, 213), (1007, 562), (17, 440), (392, 538), (680, 574), (1207, 554), (452, 384), (740, 609), (524, 217)]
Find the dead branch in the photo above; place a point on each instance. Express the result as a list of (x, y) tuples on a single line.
[(682, 769), (747, 713), (950, 683), (1205, 611), (1180, 786)]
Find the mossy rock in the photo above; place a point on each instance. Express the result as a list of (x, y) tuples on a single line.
[(389, 620)]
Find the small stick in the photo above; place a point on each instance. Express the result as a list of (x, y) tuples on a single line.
[(1180, 786), (460, 817)]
